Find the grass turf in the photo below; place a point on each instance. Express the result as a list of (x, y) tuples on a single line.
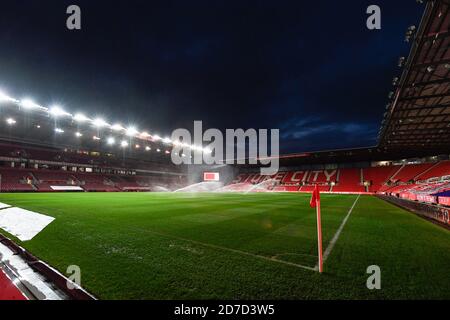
[(219, 246)]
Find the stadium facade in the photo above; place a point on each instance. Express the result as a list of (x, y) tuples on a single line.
[(50, 150)]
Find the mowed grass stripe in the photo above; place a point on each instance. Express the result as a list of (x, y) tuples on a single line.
[(257, 235), (99, 232)]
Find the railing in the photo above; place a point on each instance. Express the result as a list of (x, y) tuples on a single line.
[(438, 213)]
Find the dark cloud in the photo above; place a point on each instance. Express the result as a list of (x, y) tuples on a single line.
[(250, 64)]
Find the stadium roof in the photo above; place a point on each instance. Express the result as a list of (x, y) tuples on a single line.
[(418, 118)]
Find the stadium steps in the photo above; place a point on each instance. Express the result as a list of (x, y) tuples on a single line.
[(361, 176), (431, 169), (425, 171), (35, 180), (409, 172), (396, 173)]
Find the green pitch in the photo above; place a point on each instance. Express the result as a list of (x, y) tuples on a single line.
[(236, 246)]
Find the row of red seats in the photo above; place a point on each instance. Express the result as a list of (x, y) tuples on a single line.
[(14, 180), (48, 154), (357, 180), (350, 180), (410, 172), (291, 177), (18, 179)]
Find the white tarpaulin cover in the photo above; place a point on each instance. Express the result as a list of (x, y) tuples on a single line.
[(23, 224), (66, 188), (4, 205)]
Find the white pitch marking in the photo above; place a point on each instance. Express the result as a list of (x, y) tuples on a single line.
[(338, 232), (229, 249)]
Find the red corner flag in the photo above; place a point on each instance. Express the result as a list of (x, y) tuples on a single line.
[(315, 203)]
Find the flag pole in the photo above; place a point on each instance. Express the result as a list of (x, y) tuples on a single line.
[(319, 235)]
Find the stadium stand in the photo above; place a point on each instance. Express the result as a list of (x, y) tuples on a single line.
[(440, 169), (415, 126), (95, 182), (411, 178), (390, 179), (410, 172), (13, 180), (378, 176), (350, 180)]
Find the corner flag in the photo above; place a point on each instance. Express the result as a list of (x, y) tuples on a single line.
[(315, 203)]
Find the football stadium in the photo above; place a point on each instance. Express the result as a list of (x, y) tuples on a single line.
[(93, 208)]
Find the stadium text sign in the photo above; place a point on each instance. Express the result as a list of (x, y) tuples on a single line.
[(237, 142)]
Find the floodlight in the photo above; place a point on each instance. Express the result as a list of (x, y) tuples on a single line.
[(147, 148), (78, 134), (10, 121), (29, 104), (96, 138), (99, 122), (80, 117), (167, 140), (59, 130), (57, 112), (167, 151), (38, 126), (158, 150), (117, 127), (131, 131), (156, 137), (124, 144), (5, 97), (111, 141)]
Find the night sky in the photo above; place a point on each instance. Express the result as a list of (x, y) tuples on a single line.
[(311, 69)]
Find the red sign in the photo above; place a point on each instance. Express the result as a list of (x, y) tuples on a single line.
[(210, 176)]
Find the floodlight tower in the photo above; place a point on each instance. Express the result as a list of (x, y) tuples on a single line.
[(99, 123)]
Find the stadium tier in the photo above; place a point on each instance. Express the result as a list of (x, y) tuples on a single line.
[(412, 181), (27, 180), (38, 169), (378, 176), (350, 180), (409, 172), (440, 169), (25, 168)]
